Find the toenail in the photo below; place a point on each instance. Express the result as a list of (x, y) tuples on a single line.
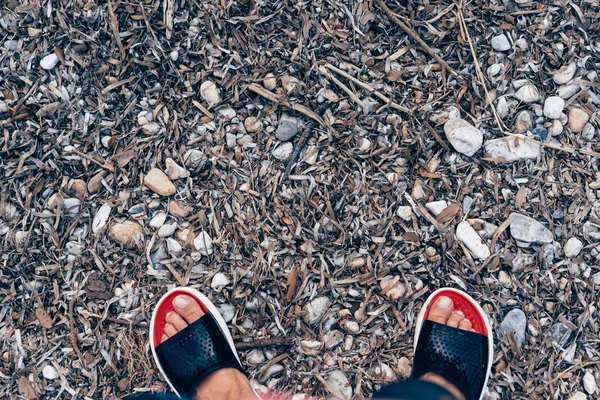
[(180, 302), (460, 313), (444, 302), (168, 314)]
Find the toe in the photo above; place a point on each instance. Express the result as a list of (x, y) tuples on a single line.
[(163, 338), (176, 320), (187, 308), (170, 330), (455, 319), (441, 310), (465, 324)]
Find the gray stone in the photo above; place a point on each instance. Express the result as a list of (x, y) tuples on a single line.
[(560, 334), (500, 43), (287, 128), (588, 132), (528, 94), (315, 310), (508, 149), (528, 230), (464, 137), (515, 321), (11, 45), (553, 107), (567, 91), (467, 203), (339, 385)]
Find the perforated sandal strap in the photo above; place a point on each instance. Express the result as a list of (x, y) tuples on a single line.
[(194, 353), (459, 356)]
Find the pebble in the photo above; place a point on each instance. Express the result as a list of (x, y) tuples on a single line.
[(332, 338), (522, 42), (210, 92), (567, 91), (95, 183), (137, 211), (524, 122), (287, 128), (173, 246), (396, 291), (126, 232), (350, 326), (3, 107), (175, 209), (227, 311), (565, 74), (174, 55), (203, 243), (577, 119), (501, 43), (363, 145), (158, 220), (589, 382), (159, 183), (11, 45), (556, 128), (404, 368), (339, 385), (573, 247), (436, 207), (467, 235), (529, 231), (588, 132), (49, 62), (72, 206), (193, 158), (560, 334), (384, 372), (464, 137), (405, 212), (494, 69), (515, 321), (101, 218), (553, 107), (253, 124), (467, 203), (540, 133), (219, 281), (578, 396), (284, 151), (151, 128), (270, 82), (174, 170), (49, 372), (167, 230), (510, 149), (502, 108), (227, 113), (528, 94), (315, 309), (256, 357)]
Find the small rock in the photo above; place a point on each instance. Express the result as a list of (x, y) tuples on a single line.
[(573, 247), (418, 190), (339, 385), (256, 357), (501, 43), (3, 107), (137, 211), (504, 279), (227, 311), (515, 321), (510, 149), (159, 183), (173, 246), (95, 183), (101, 218), (405, 212), (578, 396), (49, 372), (560, 334), (332, 338), (553, 107), (210, 92), (397, 289), (203, 243), (467, 203), (556, 128), (226, 113), (404, 368), (464, 137), (528, 230), (175, 209), (502, 108), (528, 94), (567, 91), (284, 151), (193, 158), (588, 132), (151, 128), (287, 128), (436, 207), (494, 69), (577, 119), (290, 84), (270, 82), (589, 382), (158, 220), (363, 145), (167, 230), (174, 55), (49, 62), (466, 234), (350, 326), (174, 170), (384, 372), (315, 310), (565, 74), (126, 233), (11, 45), (219, 281), (540, 133), (72, 206), (524, 122), (253, 124)]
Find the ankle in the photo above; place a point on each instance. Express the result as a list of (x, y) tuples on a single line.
[(225, 384), (443, 382)]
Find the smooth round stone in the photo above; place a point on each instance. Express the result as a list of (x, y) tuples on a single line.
[(528, 94), (287, 129), (577, 119), (49, 62), (553, 107), (500, 43), (515, 321)]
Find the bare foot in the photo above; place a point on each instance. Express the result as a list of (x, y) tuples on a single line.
[(226, 383), (443, 312)]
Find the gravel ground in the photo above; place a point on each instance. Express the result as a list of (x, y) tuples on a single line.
[(316, 168)]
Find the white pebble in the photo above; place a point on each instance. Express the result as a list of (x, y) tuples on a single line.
[(589, 382), (500, 43), (466, 234), (553, 107), (49, 372), (565, 74), (210, 92), (158, 220), (101, 218), (219, 281), (405, 212), (174, 55), (284, 151), (167, 230), (528, 94), (204, 244), (49, 62), (573, 247), (72, 206), (464, 137), (436, 207)]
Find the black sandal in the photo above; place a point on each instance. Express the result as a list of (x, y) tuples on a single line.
[(462, 357), (200, 349)]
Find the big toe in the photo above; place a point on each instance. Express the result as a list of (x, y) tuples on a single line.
[(441, 310), (187, 308)]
